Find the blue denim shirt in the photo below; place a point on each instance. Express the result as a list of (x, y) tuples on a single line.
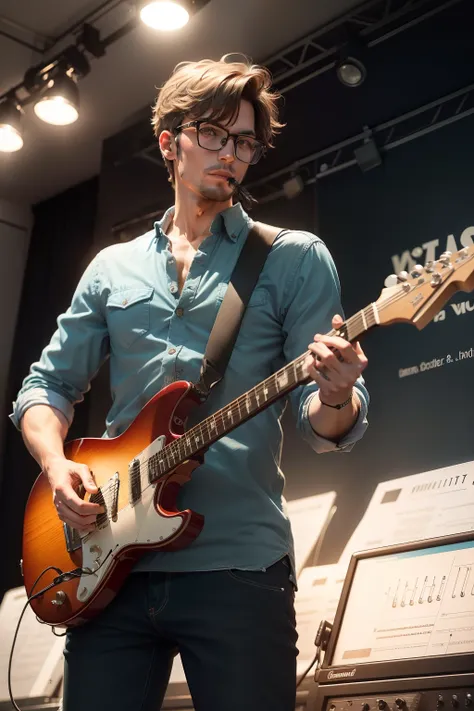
[(127, 307)]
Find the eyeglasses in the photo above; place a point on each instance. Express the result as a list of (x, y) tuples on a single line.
[(213, 137)]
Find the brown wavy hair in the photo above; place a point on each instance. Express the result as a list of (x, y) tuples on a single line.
[(196, 88)]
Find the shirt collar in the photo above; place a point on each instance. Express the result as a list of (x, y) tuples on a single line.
[(230, 222)]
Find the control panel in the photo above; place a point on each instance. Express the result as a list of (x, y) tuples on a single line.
[(435, 700)]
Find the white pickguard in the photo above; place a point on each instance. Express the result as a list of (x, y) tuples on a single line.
[(135, 524)]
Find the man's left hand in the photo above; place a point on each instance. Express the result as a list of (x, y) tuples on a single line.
[(335, 365)]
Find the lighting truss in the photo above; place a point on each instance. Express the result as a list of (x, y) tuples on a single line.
[(373, 22), (387, 136)]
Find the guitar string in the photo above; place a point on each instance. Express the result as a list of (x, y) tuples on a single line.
[(174, 448), (366, 318), (270, 385)]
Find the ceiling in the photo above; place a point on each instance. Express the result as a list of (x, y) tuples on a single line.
[(123, 82)]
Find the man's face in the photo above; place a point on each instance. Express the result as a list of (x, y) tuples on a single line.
[(205, 172)]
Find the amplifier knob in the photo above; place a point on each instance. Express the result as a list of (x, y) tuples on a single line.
[(440, 701), (381, 704), (455, 700), (365, 707), (468, 701), (400, 703)]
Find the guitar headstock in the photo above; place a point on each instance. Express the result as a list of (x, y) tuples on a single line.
[(419, 295)]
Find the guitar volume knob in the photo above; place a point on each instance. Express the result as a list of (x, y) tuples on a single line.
[(59, 599)]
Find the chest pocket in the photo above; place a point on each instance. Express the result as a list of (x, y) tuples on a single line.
[(128, 315)]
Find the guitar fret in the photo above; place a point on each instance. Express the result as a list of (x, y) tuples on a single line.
[(248, 404), (187, 443), (375, 314), (282, 380)]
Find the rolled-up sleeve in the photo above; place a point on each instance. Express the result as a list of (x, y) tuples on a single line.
[(312, 298), (76, 351)]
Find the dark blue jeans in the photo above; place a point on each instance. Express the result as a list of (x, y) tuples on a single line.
[(235, 631)]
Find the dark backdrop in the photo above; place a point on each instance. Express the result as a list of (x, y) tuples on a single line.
[(60, 248)]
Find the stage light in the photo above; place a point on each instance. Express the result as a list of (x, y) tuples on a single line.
[(367, 155), (293, 187), (350, 68), (166, 15), (10, 127), (59, 104)]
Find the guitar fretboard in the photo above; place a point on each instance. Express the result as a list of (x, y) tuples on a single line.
[(250, 403)]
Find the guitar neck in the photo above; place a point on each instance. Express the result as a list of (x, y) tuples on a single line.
[(253, 401)]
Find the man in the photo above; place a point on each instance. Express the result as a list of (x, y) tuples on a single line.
[(226, 601)]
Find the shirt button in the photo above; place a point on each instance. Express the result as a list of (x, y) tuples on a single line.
[(124, 302), (173, 288), (171, 260), (179, 311), (172, 351)]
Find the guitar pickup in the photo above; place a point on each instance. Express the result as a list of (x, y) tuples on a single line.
[(113, 513), (72, 538), (134, 478)]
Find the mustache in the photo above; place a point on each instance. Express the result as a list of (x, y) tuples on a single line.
[(242, 194)]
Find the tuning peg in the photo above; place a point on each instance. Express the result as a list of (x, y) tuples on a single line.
[(446, 258), (417, 271), (429, 267), (403, 276), (391, 280), (436, 279)]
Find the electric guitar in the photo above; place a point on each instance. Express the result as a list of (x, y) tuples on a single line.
[(139, 473)]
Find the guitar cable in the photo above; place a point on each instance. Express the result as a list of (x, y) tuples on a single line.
[(60, 578), (321, 643)]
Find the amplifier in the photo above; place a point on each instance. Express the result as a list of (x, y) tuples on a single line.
[(403, 634), (441, 693)]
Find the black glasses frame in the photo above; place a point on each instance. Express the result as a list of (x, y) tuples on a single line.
[(260, 148)]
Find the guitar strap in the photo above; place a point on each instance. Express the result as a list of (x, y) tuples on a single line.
[(231, 312)]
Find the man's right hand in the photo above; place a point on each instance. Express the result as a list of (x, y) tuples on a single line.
[(65, 478)]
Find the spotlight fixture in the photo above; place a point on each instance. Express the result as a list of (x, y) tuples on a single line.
[(350, 69), (168, 15), (367, 155), (59, 103), (294, 186), (10, 126)]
